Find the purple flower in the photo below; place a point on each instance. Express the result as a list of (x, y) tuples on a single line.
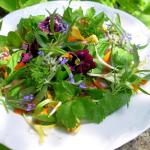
[(59, 25), (85, 63), (63, 60), (26, 57), (31, 97), (28, 97), (71, 78), (30, 106), (40, 53), (31, 47), (82, 86), (44, 25)]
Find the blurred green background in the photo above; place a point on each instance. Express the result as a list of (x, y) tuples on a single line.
[(138, 8)]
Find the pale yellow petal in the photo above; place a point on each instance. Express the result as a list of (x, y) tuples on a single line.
[(92, 39), (76, 33)]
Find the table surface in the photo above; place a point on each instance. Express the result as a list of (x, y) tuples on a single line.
[(142, 142)]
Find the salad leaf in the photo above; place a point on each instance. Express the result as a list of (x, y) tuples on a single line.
[(90, 12), (15, 58), (70, 16), (26, 27), (3, 41), (121, 57), (65, 116), (14, 39), (60, 87), (119, 99), (85, 109), (82, 108)]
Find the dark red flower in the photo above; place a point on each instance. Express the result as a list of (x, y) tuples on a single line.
[(31, 48), (59, 25), (82, 62)]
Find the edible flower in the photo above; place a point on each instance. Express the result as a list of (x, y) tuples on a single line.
[(26, 57), (63, 60), (19, 66), (30, 107), (28, 97), (41, 53), (71, 78), (75, 35), (59, 25), (31, 48), (4, 55), (82, 62), (82, 86)]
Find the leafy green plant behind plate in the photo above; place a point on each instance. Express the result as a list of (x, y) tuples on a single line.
[(3, 147)]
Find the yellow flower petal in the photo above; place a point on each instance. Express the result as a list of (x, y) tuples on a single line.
[(68, 56), (76, 33), (92, 39), (5, 49)]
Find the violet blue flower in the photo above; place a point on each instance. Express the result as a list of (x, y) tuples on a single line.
[(30, 107), (82, 86), (28, 97), (40, 53), (63, 60), (71, 78)]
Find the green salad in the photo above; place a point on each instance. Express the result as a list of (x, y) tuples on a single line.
[(69, 69)]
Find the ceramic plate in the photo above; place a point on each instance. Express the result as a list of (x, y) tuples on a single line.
[(117, 129)]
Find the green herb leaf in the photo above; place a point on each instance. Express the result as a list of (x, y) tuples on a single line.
[(70, 91), (3, 41), (65, 116), (14, 39), (15, 58)]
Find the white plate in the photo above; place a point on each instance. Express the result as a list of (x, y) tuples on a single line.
[(117, 129)]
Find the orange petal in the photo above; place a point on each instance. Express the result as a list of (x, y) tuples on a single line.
[(68, 56), (19, 111), (71, 39), (107, 56), (143, 82), (5, 75), (135, 88), (19, 66), (44, 112)]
